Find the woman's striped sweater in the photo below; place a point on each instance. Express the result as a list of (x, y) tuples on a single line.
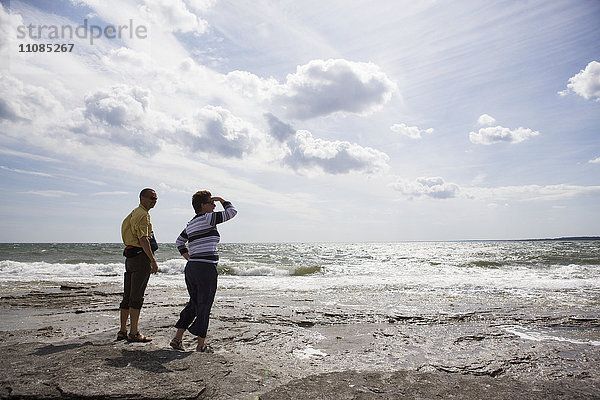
[(200, 237)]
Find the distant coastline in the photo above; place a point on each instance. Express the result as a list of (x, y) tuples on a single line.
[(558, 239), (563, 239)]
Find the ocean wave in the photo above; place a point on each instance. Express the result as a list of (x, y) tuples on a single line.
[(263, 270), (484, 264), (11, 270), (172, 266), (177, 266), (468, 266), (479, 274), (545, 334), (16, 270)]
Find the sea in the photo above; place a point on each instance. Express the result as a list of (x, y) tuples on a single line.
[(551, 279)]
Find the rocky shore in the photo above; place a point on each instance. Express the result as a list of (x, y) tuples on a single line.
[(58, 341)]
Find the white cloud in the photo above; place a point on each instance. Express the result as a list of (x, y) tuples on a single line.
[(595, 161), (324, 87), (20, 101), (412, 132), (46, 175), (486, 119), (119, 106), (305, 152), (127, 118), (29, 156), (434, 187), (8, 28), (500, 134), (125, 59), (200, 6), (110, 193), (50, 193), (320, 88), (333, 157), (279, 129), (120, 115), (173, 15), (21, 171), (479, 178), (77, 178), (586, 83), (217, 130), (252, 86), (531, 192)]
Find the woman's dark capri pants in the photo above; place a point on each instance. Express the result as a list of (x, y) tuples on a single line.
[(137, 274), (201, 282)]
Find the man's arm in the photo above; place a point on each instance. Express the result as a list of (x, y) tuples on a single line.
[(145, 244)]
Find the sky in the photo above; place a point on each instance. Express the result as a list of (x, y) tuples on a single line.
[(333, 121)]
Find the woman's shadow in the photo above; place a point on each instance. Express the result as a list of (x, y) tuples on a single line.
[(146, 360)]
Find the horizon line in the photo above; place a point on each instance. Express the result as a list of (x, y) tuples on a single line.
[(561, 238)]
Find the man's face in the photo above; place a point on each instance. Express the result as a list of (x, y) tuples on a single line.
[(149, 200)]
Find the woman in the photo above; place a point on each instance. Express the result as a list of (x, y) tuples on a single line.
[(198, 244)]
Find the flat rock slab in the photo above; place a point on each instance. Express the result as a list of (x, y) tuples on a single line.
[(115, 371), (425, 385), (60, 343), (119, 370)]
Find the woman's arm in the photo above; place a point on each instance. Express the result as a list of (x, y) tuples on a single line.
[(222, 216), (181, 244)]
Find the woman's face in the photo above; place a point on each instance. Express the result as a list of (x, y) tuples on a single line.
[(208, 207)]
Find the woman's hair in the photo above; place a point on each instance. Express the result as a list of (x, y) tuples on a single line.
[(202, 196)]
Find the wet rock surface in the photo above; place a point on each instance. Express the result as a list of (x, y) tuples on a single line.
[(60, 342), (420, 385)]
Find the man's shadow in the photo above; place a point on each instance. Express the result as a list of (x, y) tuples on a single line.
[(52, 349)]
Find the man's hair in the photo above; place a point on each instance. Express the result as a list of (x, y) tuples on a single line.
[(202, 196), (146, 192)]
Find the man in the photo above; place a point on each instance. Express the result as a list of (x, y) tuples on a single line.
[(138, 238)]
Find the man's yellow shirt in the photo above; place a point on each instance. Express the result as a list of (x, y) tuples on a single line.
[(135, 226)]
